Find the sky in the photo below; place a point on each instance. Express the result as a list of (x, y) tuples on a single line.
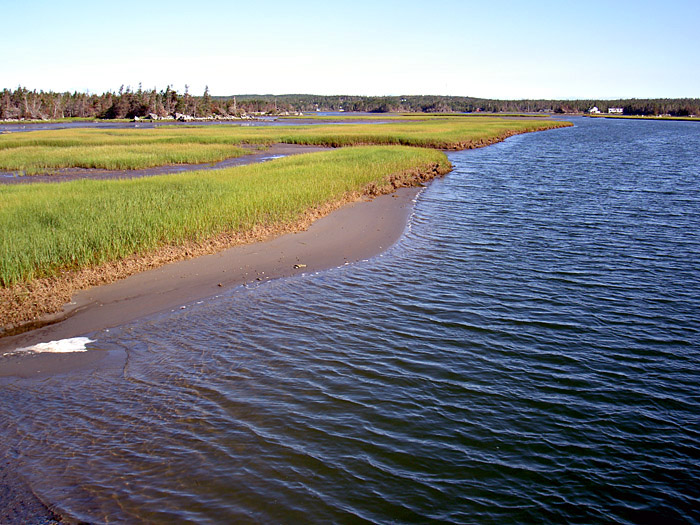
[(505, 49)]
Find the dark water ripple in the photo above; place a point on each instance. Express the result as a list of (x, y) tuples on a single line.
[(529, 352)]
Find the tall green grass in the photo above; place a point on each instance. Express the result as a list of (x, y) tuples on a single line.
[(407, 116), (41, 159), (41, 150), (45, 228)]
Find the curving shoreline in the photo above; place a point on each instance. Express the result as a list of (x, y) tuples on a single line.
[(351, 233), (30, 305), (86, 302)]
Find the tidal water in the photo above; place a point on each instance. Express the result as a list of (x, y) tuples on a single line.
[(529, 351), (18, 127)]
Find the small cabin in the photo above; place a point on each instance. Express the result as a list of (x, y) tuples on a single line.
[(615, 111)]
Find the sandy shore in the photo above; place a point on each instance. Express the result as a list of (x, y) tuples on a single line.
[(355, 232)]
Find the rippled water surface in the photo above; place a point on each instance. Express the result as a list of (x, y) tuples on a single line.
[(528, 352)]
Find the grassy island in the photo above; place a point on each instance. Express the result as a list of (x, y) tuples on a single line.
[(58, 238), (47, 228), (42, 151)]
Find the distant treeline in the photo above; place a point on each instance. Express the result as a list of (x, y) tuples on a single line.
[(126, 103), (447, 104), (22, 103)]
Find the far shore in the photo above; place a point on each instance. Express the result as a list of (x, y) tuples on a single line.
[(353, 233)]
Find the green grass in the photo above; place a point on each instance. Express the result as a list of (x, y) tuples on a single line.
[(193, 141), (350, 117), (41, 159), (479, 115), (405, 116), (452, 133), (47, 228)]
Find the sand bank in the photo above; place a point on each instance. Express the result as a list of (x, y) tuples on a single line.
[(355, 232)]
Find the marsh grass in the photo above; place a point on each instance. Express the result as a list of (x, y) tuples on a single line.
[(408, 116), (453, 133), (33, 152), (41, 159), (49, 228)]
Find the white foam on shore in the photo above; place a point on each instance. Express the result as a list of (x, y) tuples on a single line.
[(62, 346)]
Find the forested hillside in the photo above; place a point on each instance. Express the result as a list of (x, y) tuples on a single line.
[(22, 103)]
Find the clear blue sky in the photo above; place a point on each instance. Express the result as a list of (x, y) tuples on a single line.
[(492, 49)]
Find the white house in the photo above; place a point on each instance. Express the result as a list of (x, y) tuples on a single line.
[(615, 111), (594, 109)]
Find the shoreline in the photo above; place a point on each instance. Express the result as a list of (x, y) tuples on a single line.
[(77, 300), (354, 232)]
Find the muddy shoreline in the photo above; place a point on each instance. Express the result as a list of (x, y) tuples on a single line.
[(353, 232), (32, 306)]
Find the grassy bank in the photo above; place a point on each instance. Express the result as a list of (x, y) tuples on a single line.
[(58, 238), (40, 151), (411, 116), (448, 133), (48, 228)]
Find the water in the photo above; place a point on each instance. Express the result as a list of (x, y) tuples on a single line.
[(528, 352), (16, 127)]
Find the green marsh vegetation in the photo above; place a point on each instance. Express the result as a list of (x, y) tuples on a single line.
[(41, 151), (46, 228), (41, 159), (408, 116), (58, 238), (440, 133)]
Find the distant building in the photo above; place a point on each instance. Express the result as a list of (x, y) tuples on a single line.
[(594, 109), (615, 111)]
